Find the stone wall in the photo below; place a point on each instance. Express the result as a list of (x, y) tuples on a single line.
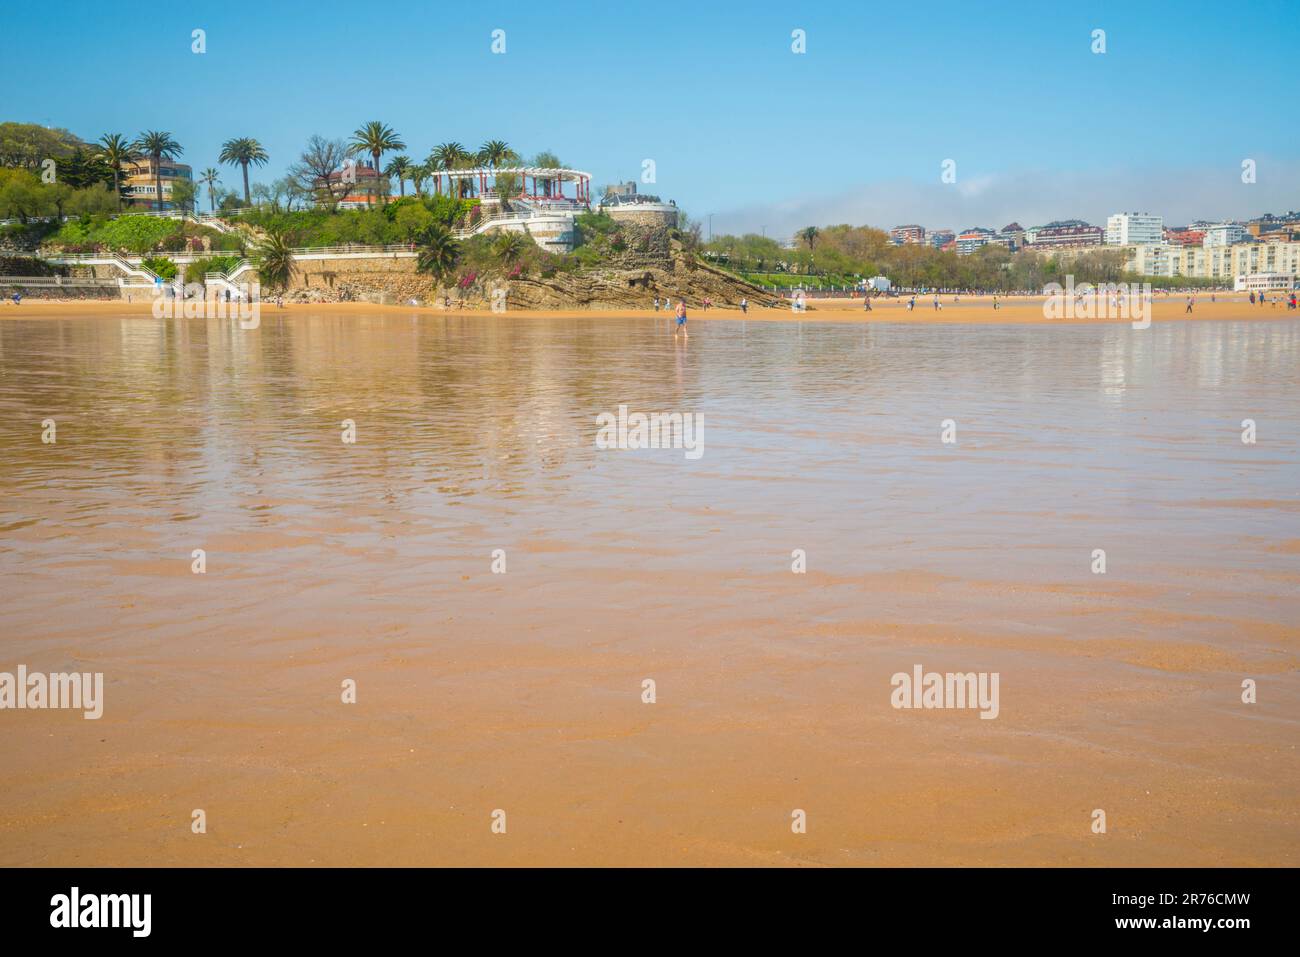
[(386, 280), (642, 217)]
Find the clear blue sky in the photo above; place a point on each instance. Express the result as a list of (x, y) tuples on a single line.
[(733, 119)]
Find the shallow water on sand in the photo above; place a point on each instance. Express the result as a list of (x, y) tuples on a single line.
[(522, 690)]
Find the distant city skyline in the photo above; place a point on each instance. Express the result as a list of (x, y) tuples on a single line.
[(738, 126)]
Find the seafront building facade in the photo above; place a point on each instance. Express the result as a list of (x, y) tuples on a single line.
[(909, 235), (972, 239), (1225, 234), (140, 183), (1064, 234), (1134, 229), (1225, 263)]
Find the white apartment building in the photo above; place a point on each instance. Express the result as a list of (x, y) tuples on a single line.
[(1224, 234), (1215, 262), (1134, 229)]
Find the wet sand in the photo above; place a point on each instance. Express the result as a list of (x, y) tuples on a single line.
[(522, 691)]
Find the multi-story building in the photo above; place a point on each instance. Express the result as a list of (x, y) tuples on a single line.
[(1225, 234), (972, 239), (940, 238), (1287, 224), (1064, 234), (141, 182), (1184, 236), (1134, 229), (1215, 262), (911, 235), (1015, 233)]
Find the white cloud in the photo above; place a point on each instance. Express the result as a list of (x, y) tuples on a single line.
[(1034, 197)]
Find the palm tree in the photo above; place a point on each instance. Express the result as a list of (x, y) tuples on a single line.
[(495, 152), (438, 251), (401, 167), (809, 236), (446, 157), (418, 173), (376, 139), (157, 145), (115, 150), (274, 257), (243, 150), (209, 179), (508, 247)]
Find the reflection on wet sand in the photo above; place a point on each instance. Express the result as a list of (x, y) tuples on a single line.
[(522, 691)]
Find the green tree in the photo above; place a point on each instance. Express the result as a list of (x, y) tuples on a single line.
[(97, 200), (438, 251), (412, 219), (400, 167), (115, 150), (157, 145), (445, 158), (274, 258), (184, 193), (508, 247), (495, 153), (21, 195), (375, 138), (209, 178), (417, 174), (27, 145), (243, 150)]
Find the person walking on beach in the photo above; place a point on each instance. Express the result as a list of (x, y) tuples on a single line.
[(656, 303), (995, 302), (681, 319), (1189, 305), (744, 305), (866, 303), (911, 304), (18, 298), (1252, 299)]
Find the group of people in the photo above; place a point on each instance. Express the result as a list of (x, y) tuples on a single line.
[(1290, 301)]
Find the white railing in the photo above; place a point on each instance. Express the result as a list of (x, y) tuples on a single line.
[(54, 282), (354, 249), (228, 277)]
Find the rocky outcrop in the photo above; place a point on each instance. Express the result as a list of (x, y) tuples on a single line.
[(645, 264)]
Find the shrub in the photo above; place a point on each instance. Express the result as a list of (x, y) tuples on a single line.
[(161, 265), (196, 270)]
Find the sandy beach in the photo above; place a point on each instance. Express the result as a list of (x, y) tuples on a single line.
[(973, 309)]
